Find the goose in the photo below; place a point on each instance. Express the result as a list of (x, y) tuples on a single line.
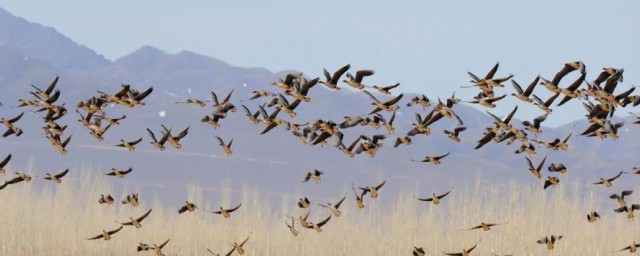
[(620, 198), (286, 107), (19, 178), (526, 94), (388, 125), (554, 84), (253, 117), (388, 105), (418, 251), (292, 227), (187, 207), (629, 210), (534, 126), (225, 102), (374, 191), (315, 176), (454, 135), (334, 208), (631, 248), (111, 121), (304, 203), (607, 182), (593, 217), (558, 167), (485, 226), (432, 159), (11, 128), (318, 227), (435, 199), (545, 105), (175, 141), (551, 181), (302, 90), (356, 82), (130, 145), (4, 163), (233, 249), (572, 91), (422, 101), (465, 252), (119, 173), (226, 213), (332, 81), (536, 171), (239, 247), (549, 241), (132, 199), (487, 102), (136, 222), (136, 100), (106, 235), (119, 97), (225, 147), (158, 249), (261, 93), (45, 94), (201, 103), (106, 199), (287, 83), (56, 178), (359, 198), (527, 148), (386, 90), (159, 144), (503, 122), (402, 140)]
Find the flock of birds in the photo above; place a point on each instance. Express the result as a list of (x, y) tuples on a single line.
[(598, 97)]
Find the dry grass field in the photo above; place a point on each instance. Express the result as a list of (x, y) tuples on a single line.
[(57, 219)]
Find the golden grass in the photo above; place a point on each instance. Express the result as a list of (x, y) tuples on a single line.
[(57, 220)]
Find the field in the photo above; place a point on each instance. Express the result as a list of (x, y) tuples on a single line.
[(57, 219)]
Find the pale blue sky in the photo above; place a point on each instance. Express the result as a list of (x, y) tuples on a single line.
[(427, 46)]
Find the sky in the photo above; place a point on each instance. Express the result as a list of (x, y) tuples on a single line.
[(427, 46)]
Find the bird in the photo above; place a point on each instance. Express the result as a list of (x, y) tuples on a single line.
[(239, 247), (106, 235), (524, 95), (334, 208), (106, 199), (136, 222), (137, 98), (175, 141), (302, 90), (435, 199), (11, 128), (332, 81), (433, 159), (536, 171), (4, 163), (557, 167), (620, 198), (607, 182), (187, 207), (534, 126), (373, 191), (418, 251), (158, 249), (387, 105), (159, 144), (201, 103), (131, 199), (487, 102), (119, 173), (56, 178), (545, 105), (226, 213), (225, 147), (315, 176), (292, 227), (549, 241), (21, 177), (130, 145), (551, 181), (485, 226), (631, 248), (465, 252), (454, 135), (356, 82), (593, 217), (59, 145), (318, 226), (386, 90), (304, 203), (629, 210), (554, 84), (359, 197)]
